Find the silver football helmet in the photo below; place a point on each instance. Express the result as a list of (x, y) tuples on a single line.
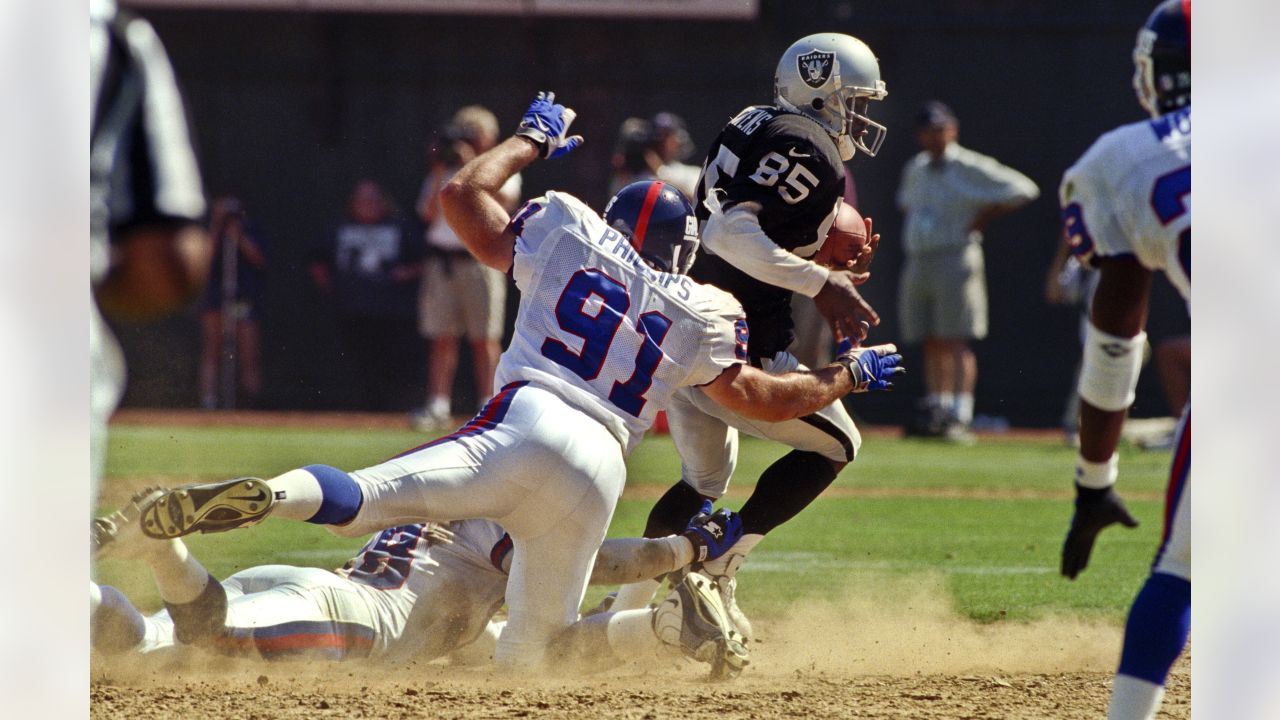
[(832, 78)]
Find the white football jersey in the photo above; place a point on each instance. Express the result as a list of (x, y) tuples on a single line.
[(1130, 194), (601, 329), (429, 597)]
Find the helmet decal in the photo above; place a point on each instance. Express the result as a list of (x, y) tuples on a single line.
[(815, 67)]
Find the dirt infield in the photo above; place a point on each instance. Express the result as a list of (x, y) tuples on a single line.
[(893, 652), (307, 691)]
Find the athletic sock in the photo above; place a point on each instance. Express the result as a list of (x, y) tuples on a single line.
[(179, 577), (631, 635), (1157, 628), (199, 619), (317, 494), (785, 488), (115, 625), (636, 595), (962, 410), (728, 563), (1134, 699), (670, 515), (438, 407)]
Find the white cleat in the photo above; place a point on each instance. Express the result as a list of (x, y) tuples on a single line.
[(694, 619)]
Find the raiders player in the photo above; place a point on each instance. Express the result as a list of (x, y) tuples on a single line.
[(770, 189)]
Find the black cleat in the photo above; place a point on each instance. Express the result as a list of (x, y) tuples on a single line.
[(213, 507)]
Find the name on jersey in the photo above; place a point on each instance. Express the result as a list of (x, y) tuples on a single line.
[(617, 245), (750, 120)]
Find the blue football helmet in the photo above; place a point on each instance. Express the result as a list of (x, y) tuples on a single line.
[(658, 220), (1162, 59)]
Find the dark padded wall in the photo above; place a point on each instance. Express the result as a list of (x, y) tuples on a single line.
[(290, 108)]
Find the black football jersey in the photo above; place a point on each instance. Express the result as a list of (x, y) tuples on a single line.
[(789, 165)]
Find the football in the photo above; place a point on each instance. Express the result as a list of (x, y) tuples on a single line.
[(849, 227), (845, 239)]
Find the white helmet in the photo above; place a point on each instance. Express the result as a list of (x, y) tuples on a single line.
[(832, 78)]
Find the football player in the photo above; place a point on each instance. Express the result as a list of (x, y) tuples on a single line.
[(608, 326), (415, 591), (1126, 207), (771, 185)]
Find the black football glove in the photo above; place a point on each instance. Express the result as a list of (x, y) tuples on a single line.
[(1095, 510)]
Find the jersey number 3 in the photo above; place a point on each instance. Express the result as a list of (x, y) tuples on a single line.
[(592, 307)]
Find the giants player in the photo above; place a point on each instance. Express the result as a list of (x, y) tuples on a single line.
[(415, 591), (1126, 208), (608, 327), (770, 189)]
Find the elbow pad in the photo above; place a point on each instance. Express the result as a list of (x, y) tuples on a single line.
[(1111, 366)]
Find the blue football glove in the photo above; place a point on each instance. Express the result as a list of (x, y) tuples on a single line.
[(712, 534), (545, 124), (871, 367)]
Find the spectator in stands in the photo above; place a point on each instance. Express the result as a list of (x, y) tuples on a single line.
[(948, 194), (369, 264), (230, 360), (671, 143), (459, 296), (633, 159)]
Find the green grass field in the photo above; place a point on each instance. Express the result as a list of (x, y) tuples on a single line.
[(988, 519)]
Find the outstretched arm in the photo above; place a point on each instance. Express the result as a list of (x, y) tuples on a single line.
[(472, 200), (754, 393), (473, 208)]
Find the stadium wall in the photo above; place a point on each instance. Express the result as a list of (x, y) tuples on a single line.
[(290, 108)]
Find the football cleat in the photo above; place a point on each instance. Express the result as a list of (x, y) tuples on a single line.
[(728, 587), (694, 619), (117, 534), (209, 508)]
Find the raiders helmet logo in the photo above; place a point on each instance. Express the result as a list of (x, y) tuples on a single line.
[(815, 67)]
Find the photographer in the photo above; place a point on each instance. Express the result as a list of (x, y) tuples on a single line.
[(458, 296)]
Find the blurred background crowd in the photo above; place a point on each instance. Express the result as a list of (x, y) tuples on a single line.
[(323, 136)]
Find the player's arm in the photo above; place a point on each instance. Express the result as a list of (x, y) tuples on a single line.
[(753, 393), (736, 236), (1112, 359), (472, 202), (626, 560)]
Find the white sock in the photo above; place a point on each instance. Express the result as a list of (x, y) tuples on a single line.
[(728, 563), (636, 595), (942, 400), (1134, 699), (438, 406), (302, 495), (963, 408), (179, 577), (631, 635)]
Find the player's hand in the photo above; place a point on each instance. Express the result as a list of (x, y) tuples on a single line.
[(545, 123), (843, 307), (861, 265), (872, 367), (712, 534), (1095, 510)]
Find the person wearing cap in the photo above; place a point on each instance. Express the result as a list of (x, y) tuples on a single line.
[(672, 144), (948, 195), (459, 296)]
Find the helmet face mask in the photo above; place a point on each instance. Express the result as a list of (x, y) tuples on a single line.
[(658, 221), (831, 79)]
